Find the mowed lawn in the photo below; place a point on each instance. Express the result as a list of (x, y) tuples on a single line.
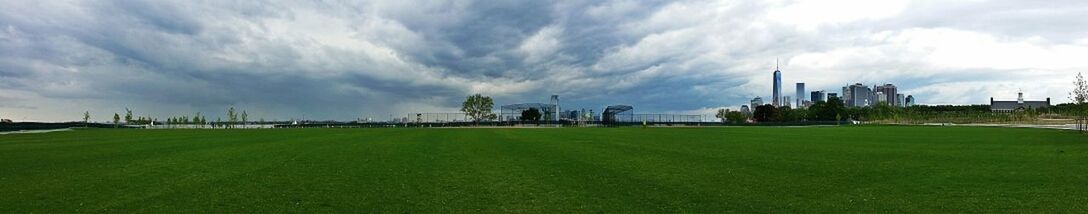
[(559, 170)]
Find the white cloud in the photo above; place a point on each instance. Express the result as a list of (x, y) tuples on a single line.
[(541, 45), (810, 14)]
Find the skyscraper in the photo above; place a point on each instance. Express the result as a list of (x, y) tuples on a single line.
[(889, 91), (909, 100), (845, 96), (757, 102), (800, 95), (880, 98), (555, 104), (818, 96), (857, 95), (777, 94), (900, 100)]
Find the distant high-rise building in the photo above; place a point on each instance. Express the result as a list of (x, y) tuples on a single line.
[(889, 92), (817, 96), (777, 91), (880, 98), (910, 100), (857, 95), (745, 110), (757, 102), (830, 95), (900, 100), (846, 96), (787, 103), (555, 104), (800, 94)]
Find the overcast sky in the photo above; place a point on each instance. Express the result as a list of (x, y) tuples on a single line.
[(337, 60)]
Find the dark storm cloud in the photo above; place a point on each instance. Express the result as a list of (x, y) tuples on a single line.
[(342, 60)]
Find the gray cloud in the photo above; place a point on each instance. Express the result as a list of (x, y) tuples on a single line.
[(341, 60)]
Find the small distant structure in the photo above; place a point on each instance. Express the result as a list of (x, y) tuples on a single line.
[(555, 106), (618, 113), (758, 101), (513, 112), (1019, 105), (6, 121)]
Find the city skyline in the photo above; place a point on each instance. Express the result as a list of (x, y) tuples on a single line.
[(343, 61)]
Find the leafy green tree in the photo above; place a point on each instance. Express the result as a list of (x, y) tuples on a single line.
[(116, 119), (531, 114), (86, 117), (478, 107), (765, 113), (826, 111), (721, 114), (735, 116), (245, 117), (784, 114), (231, 117), (880, 111), (198, 119), (1079, 95), (128, 115)]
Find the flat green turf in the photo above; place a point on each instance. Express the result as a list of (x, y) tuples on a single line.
[(703, 170)]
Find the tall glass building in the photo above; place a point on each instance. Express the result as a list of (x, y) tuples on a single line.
[(777, 88), (800, 95)]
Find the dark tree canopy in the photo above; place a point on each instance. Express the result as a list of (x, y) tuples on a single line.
[(765, 113), (531, 114), (735, 117), (826, 111)]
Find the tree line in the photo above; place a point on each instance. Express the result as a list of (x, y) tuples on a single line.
[(233, 119)]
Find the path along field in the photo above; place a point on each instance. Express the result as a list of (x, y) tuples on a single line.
[(561, 170)]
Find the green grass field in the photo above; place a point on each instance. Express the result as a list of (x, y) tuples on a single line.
[(705, 170)]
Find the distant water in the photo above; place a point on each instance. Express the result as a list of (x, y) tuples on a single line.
[(36, 131)]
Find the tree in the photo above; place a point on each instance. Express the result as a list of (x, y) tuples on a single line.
[(198, 119), (721, 114), (86, 117), (245, 117), (1079, 95), (736, 116), (128, 115), (478, 107), (116, 119), (531, 114), (231, 117), (765, 113), (784, 114), (826, 111)]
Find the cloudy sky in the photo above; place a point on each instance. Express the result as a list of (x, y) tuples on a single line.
[(324, 59)]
